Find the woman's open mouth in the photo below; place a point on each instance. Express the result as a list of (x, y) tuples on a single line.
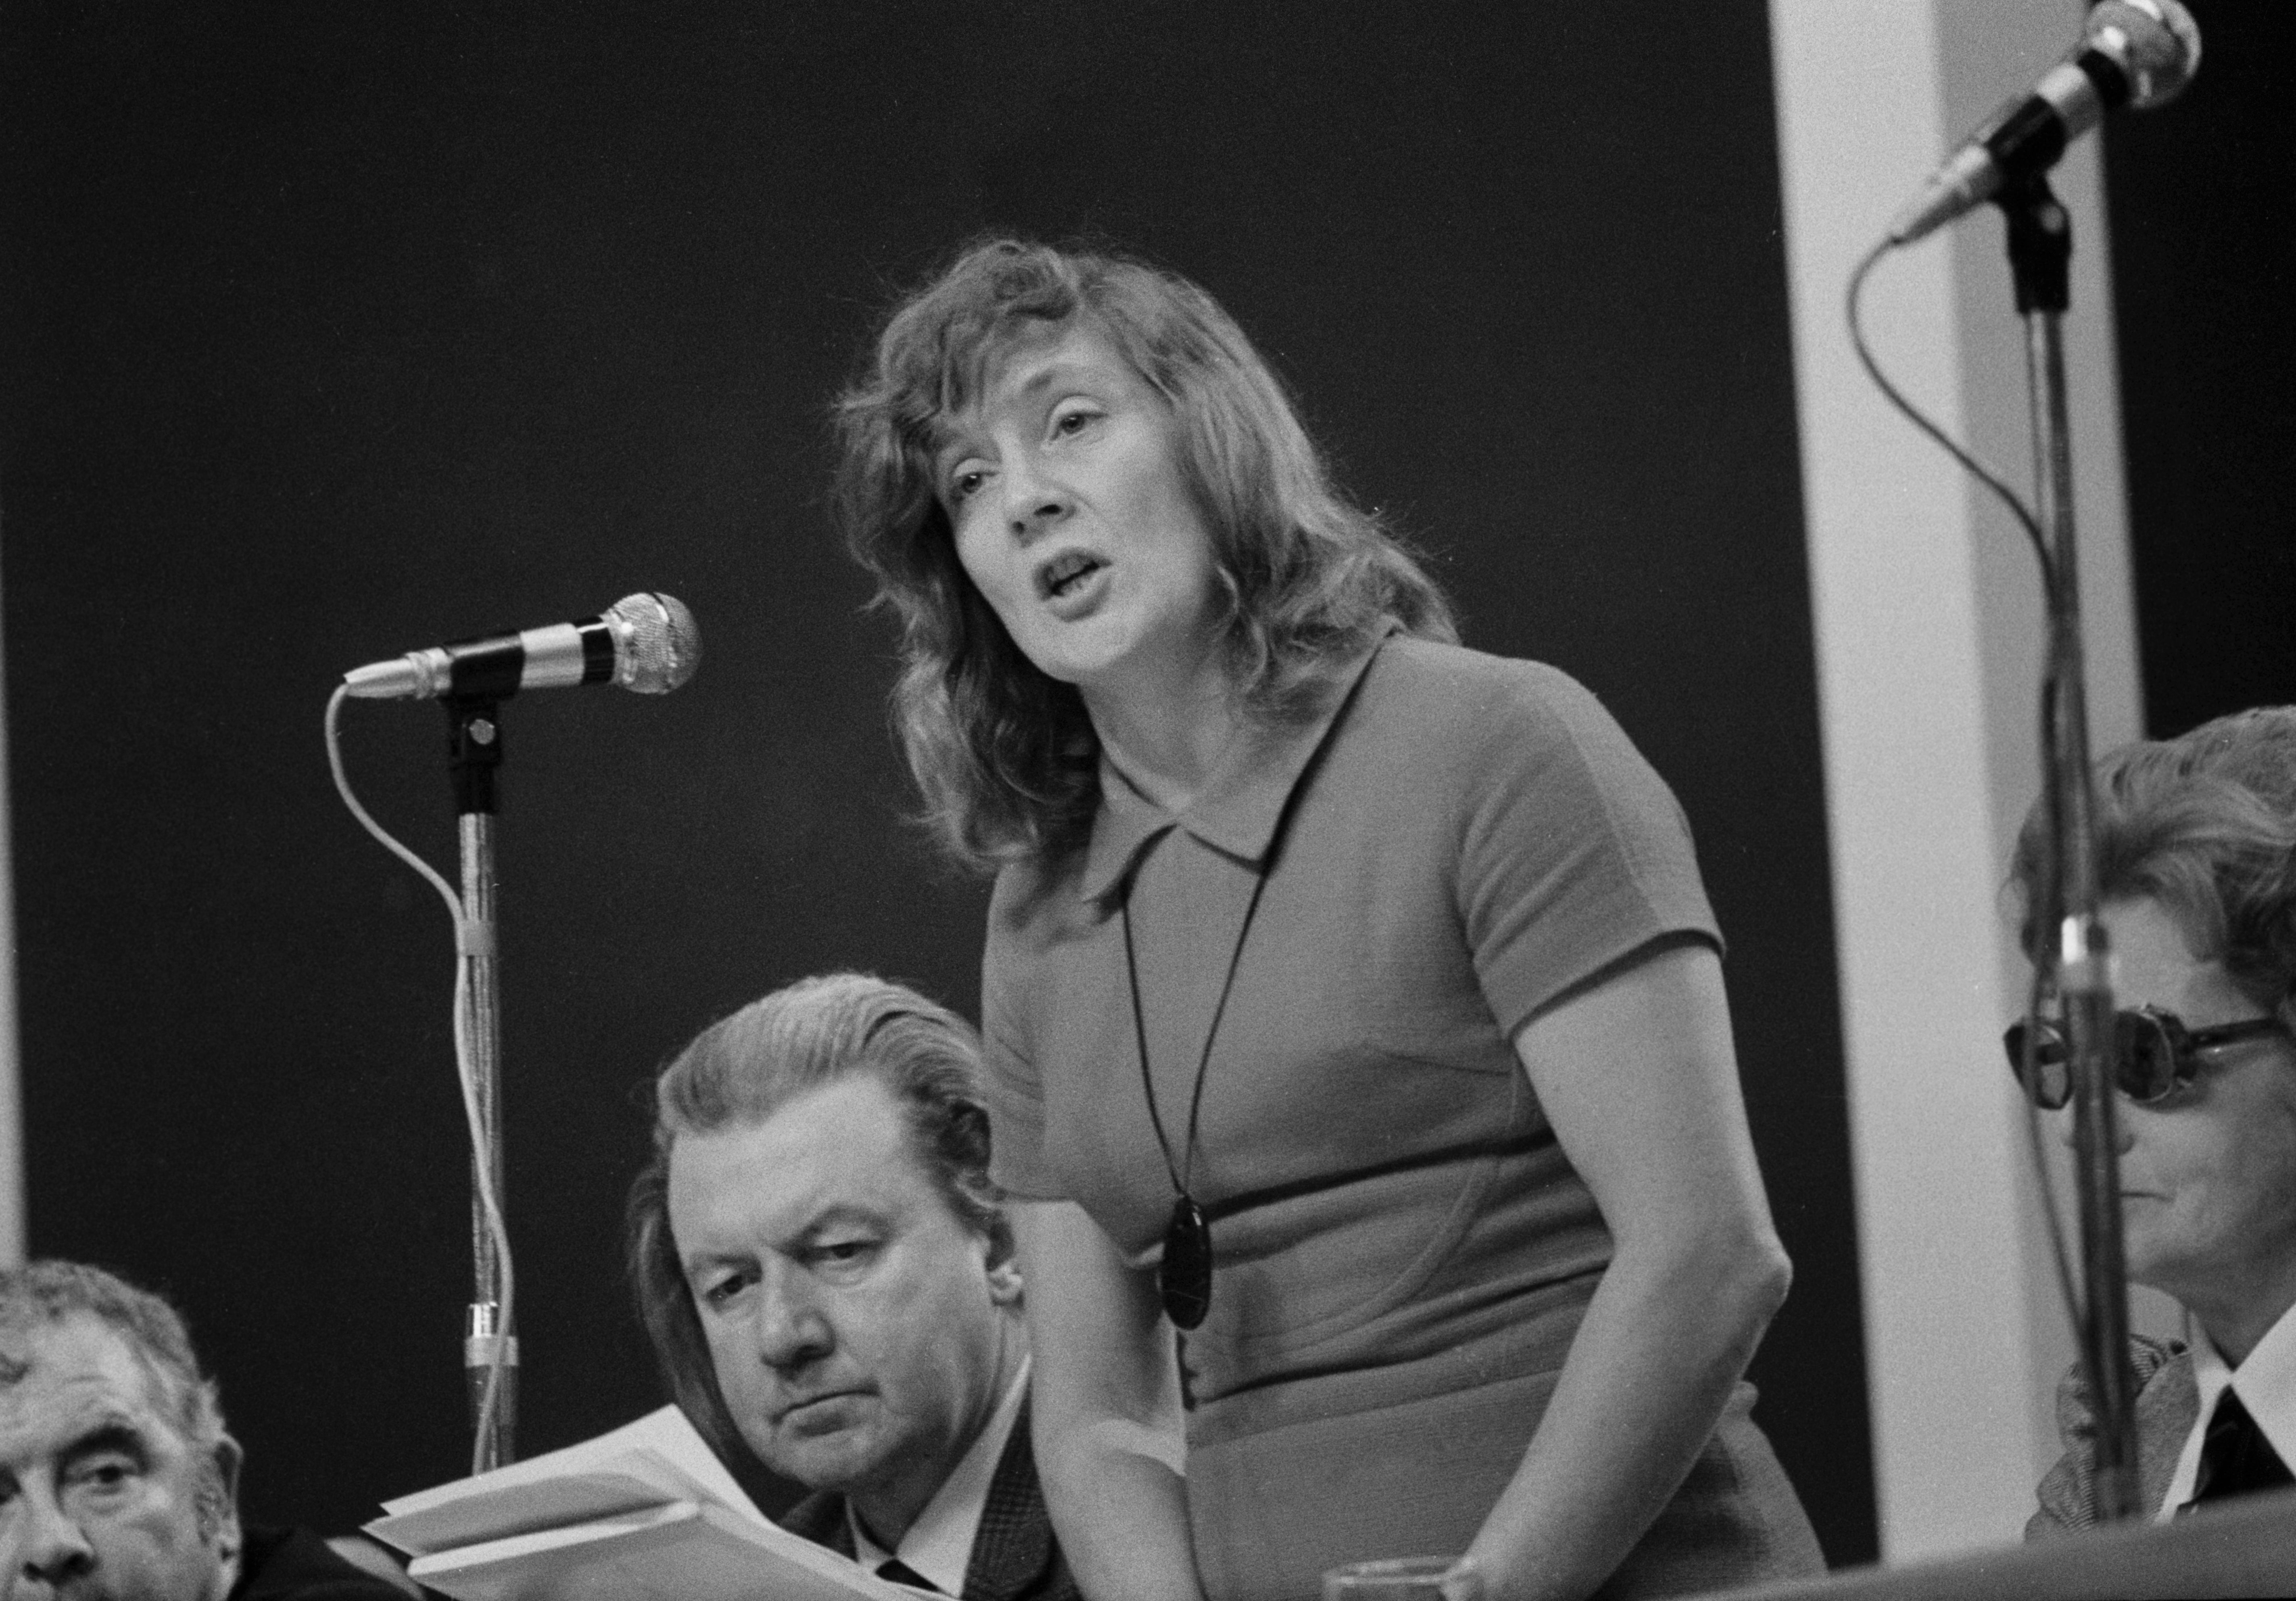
[(1064, 576)]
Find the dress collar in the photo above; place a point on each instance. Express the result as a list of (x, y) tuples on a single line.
[(1240, 807)]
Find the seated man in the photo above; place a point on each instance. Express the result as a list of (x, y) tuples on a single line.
[(829, 1282), (116, 1476), (2196, 843)]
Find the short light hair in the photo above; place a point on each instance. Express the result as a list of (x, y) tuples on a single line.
[(49, 1292), (742, 1069), (2205, 824), (1005, 756)]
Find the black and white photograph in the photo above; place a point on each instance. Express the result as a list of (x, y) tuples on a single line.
[(1325, 754)]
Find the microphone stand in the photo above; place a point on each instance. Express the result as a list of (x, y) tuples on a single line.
[(2040, 248), (490, 1349)]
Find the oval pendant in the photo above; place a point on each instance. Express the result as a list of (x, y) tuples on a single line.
[(1185, 1277)]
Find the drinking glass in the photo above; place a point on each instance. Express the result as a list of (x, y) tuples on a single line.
[(1404, 1578)]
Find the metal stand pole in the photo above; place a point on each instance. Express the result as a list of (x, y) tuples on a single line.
[(489, 1349), (2040, 248)]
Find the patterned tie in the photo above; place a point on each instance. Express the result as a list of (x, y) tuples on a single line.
[(2235, 1458), (901, 1573)]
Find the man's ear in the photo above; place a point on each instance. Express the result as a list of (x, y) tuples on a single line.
[(221, 1493), (1003, 1265)]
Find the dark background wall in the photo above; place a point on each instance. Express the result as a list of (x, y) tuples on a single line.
[(2200, 192), (332, 331)]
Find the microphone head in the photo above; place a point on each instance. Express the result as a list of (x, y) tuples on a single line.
[(656, 645), (2155, 43)]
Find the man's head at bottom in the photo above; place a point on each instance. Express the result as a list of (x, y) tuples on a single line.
[(817, 1251), (117, 1480)]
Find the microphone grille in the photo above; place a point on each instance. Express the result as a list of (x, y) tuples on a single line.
[(658, 645), (2155, 43)]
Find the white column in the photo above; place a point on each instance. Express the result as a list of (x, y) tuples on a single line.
[(1928, 624)]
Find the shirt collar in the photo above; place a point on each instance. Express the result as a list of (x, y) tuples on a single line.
[(1240, 807), (2267, 1385), (2266, 1381), (938, 1546)]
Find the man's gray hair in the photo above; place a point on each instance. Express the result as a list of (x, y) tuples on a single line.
[(50, 1292), (740, 1071)]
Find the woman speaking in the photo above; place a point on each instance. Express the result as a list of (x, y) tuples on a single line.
[(1351, 1002)]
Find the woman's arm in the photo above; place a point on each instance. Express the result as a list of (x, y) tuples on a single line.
[(1636, 1074), (1104, 1409)]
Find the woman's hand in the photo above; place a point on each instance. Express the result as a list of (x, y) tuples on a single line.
[(1105, 1414), (1636, 1074)]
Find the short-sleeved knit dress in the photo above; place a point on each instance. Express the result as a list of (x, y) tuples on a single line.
[(1451, 841)]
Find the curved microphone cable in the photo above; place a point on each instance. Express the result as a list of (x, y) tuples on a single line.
[(2138, 54), (1920, 419), (2052, 1211), (489, 1202)]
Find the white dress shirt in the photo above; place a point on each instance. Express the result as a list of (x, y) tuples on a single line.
[(938, 1546), (2266, 1384)]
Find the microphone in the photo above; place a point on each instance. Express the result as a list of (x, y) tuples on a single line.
[(645, 642), (2135, 53)]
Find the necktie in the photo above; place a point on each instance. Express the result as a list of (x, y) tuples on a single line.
[(2235, 1458), (901, 1573)]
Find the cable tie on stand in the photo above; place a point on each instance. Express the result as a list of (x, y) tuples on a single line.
[(480, 1350), (473, 939), (2084, 956)]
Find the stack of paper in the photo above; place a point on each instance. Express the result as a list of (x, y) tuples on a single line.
[(647, 1511)]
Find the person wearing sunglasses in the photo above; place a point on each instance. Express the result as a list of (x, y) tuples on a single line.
[(1351, 1007), (2196, 839)]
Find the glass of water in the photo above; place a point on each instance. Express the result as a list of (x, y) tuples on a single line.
[(1404, 1578)]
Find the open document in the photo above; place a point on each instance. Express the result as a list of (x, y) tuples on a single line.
[(646, 1511)]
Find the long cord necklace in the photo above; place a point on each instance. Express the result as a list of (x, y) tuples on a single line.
[(1183, 1277)]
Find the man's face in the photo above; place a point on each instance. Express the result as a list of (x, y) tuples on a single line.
[(859, 1328), (99, 1498)]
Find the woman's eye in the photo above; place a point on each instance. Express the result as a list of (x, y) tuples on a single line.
[(962, 486), (842, 1251), (1073, 422)]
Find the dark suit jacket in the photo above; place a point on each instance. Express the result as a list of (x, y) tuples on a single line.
[(2168, 1400), (1014, 1555), (294, 1564)]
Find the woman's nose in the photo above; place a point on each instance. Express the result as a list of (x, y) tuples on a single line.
[(2124, 1125), (1033, 499)]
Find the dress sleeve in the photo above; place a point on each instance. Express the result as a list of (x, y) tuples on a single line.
[(1574, 853), (1012, 1085)]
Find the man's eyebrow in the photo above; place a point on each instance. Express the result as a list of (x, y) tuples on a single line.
[(115, 1434), (700, 1260), (843, 1219)]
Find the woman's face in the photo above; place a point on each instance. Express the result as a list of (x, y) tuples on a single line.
[(1074, 519), (2207, 1177)]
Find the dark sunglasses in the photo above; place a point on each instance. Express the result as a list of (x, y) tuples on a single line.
[(2153, 1053)]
